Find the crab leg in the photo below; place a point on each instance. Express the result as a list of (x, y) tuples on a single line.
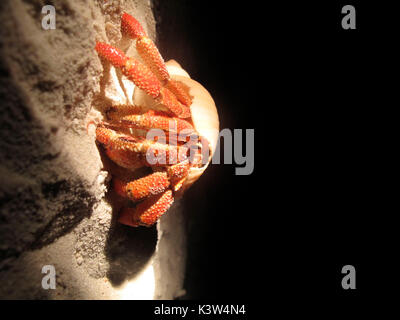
[(147, 212), (119, 146), (142, 76), (178, 173), (120, 110), (154, 183), (151, 120), (126, 158), (140, 189), (152, 57)]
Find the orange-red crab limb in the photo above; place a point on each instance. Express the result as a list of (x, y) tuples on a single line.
[(148, 211), (154, 190), (154, 183), (144, 78), (122, 148), (152, 57), (126, 116)]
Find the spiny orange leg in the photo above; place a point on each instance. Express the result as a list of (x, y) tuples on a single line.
[(154, 183), (147, 212), (142, 188), (126, 158), (142, 76), (120, 147), (120, 116), (152, 188), (156, 189), (148, 188), (152, 57), (177, 174)]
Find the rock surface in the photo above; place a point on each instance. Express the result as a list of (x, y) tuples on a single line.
[(55, 208)]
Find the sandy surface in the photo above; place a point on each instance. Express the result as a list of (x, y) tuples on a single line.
[(55, 205)]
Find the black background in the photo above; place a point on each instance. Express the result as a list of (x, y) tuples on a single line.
[(318, 197)]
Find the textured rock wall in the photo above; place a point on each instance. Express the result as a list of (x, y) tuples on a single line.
[(55, 208)]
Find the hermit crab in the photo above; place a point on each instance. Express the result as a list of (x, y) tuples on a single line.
[(171, 127)]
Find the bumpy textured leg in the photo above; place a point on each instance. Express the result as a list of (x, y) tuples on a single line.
[(142, 76), (149, 120), (152, 152), (178, 173), (146, 213), (126, 158), (168, 99), (142, 188), (179, 91), (152, 57)]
